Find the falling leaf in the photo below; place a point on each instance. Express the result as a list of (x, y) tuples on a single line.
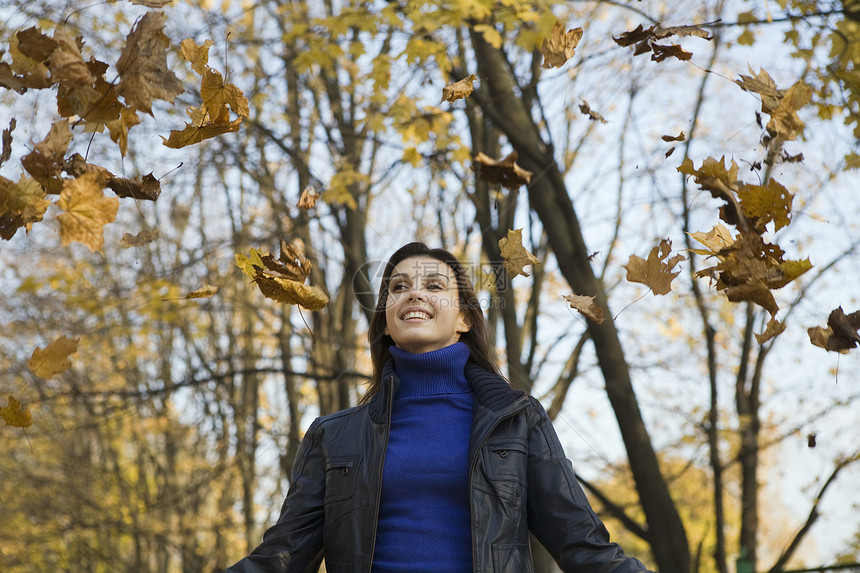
[(505, 172), (217, 94), (516, 256), (7, 142), (810, 441), (655, 272), (197, 56), (660, 53), (291, 264), (207, 129), (309, 198), (680, 137), (782, 107), (291, 292), (842, 332), (87, 211), (560, 46), (717, 239), (96, 102), (142, 238), (585, 305), (762, 204), (207, 291), (282, 279), (458, 90), (670, 152), (140, 187), (119, 127), (54, 359), (21, 204), (45, 162), (762, 84), (152, 3), (15, 414), (66, 63), (773, 329), (142, 65), (645, 40), (590, 113)]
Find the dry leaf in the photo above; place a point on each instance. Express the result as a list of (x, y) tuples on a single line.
[(505, 172), (140, 187), (54, 359), (144, 237), (592, 115), (458, 90), (655, 272), (87, 211), (773, 329), (119, 127), (7, 142), (585, 305), (207, 291), (142, 65), (309, 198), (516, 256), (207, 129), (66, 62), (291, 292), (715, 240), (15, 414), (645, 40), (152, 3), (560, 46), (680, 137), (842, 332), (21, 204), (281, 279), (45, 162), (217, 95), (197, 56)]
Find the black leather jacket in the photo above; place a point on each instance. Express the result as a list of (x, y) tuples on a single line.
[(520, 481)]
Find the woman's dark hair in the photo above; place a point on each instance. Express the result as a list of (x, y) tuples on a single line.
[(477, 338)]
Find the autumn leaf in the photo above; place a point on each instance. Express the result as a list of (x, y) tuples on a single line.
[(505, 172), (309, 198), (207, 128), (87, 211), (207, 291), (29, 49), (139, 187), (45, 162), (120, 126), (680, 137), (142, 65), (282, 279), (842, 332), (717, 239), (762, 204), (54, 359), (585, 305), (21, 204), (291, 264), (142, 238), (291, 292), (781, 106), (95, 102), (217, 94), (560, 46), (655, 272), (458, 90), (15, 414), (197, 56), (645, 40), (6, 152), (590, 113), (152, 3), (773, 329), (516, 256), (66, 63)]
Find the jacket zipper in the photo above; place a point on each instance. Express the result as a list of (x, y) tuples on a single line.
[(381, 468)]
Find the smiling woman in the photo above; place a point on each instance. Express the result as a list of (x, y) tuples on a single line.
[(423, 476)]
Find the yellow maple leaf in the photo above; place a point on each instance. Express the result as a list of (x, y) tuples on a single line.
[(773, 329), (142, 65), (197, 56), (201, 130), (516, 256), (308, 198), (217, 94), (54, 359), (291, 292), (66, 63), (87, 211), (655, 272), (21, 204), (586, 306), (559, 47), (120, 126), (15, 414), (784, 121), (458, 90), (715, 240), (766, 203)]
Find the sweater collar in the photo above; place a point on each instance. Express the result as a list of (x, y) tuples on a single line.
[(431, 373)]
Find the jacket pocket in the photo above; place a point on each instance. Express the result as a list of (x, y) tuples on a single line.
[(507, 458), (512, 558), (340, 475)]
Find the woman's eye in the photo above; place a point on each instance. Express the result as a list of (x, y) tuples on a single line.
[(399, 287)]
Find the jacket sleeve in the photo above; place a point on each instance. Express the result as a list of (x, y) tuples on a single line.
[(559, 514), (295, 543)]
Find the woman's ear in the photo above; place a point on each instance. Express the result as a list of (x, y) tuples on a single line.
[(462, 325)]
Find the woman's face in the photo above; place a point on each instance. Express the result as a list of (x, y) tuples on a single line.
[(422, 312)]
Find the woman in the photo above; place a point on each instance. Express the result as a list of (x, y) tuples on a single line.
[(443, 467)]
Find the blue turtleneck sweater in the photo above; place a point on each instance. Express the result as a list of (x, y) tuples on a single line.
[(424, 515)]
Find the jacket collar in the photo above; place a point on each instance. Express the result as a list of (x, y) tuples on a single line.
[(491, 391)]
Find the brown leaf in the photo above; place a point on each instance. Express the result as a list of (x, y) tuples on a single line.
[(207, 291), (197, 56), (784, 122), (680, 137), (560, 46), (516, 256), (773, 329), (7, 142), (592, 115), (142, 238), (645, 41), (119, 127), (54, 359), (762, 84), (66, 62), (762, 204), (291, 264), (842, 332), (655, 272), (152, 3), (660, 52), (217, 94), (15, 414), (45, 162), (21, 204), (505, 172), (585, 305), (717, 239), (96, 103), (195, 133), (290, 291), (140, 187), (309, 198), (87, 211), (458, 90), (142, 65)]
